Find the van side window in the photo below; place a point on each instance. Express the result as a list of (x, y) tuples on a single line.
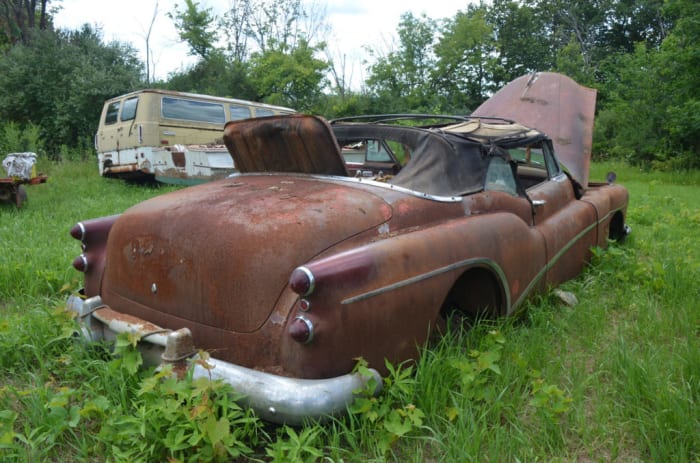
[(129, 109), (112, 112), (262, 112), (239, 112), (191, 110)]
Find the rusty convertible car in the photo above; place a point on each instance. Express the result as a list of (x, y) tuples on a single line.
[(289, 271)]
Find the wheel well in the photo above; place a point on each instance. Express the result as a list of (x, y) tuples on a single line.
[(617, 227), (477, 293)]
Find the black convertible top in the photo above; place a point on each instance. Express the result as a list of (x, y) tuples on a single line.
[(446, 159)]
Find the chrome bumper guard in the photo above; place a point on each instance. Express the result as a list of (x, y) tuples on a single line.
[(274, 398)]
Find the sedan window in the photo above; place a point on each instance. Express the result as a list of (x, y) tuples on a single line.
[(499, 177), (376, 152), (532, 164)]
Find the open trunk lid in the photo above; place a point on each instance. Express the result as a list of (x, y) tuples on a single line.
[(298, 144)]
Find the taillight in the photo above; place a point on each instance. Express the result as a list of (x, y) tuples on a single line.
[(301, 330), (80, 263), (78, 231), (302, 281), (92, 235)]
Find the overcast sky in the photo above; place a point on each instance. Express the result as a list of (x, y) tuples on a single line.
[(354, 23)]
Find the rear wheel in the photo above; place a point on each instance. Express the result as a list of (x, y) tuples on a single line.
[(475, 295)]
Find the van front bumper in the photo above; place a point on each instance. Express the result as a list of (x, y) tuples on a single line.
[(274, 398)]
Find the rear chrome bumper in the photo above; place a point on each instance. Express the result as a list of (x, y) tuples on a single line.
[(274, 398)]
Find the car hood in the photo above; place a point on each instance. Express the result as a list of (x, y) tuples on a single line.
[(221, 254), (556, 105)]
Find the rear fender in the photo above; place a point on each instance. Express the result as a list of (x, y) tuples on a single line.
[(92, 235), (383, 299)]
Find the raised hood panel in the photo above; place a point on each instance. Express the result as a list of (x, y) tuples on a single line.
[(556, 105), (221, 254)]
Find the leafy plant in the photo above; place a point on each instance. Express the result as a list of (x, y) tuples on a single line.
[(549, 399), (390, 414), (178, 419), (477, 369), (299, 446)]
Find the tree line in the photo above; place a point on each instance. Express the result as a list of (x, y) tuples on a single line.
[(641, 55)]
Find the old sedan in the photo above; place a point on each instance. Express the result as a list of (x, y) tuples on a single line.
[(292, 269)]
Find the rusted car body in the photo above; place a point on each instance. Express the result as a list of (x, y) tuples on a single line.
[(292, 269)]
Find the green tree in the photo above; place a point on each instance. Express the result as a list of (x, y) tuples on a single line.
[(402, 79), (679, 62), (235, 28), (629, 22), (467, 60), (294, 78), (216, 75), (19, 18), (284, 68), (59, 82), (523, 41), (196, 27), (630, 125), (649, 113)]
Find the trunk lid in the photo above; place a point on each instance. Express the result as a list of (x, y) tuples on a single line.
[(220, 254), (297, 143)]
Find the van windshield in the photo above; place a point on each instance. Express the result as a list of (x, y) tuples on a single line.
[(112, 112), (191, 110)]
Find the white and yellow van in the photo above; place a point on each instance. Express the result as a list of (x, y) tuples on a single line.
[(168, 136)]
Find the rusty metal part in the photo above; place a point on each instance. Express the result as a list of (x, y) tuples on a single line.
[(121, 169), (256, 216), (12, 188), (299, 144), (556, 105)]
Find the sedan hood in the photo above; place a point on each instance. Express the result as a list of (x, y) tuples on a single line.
[(556, 105), (221, 254)]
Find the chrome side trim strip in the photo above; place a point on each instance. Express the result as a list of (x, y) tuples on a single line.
[(358, 180), (433, 273)]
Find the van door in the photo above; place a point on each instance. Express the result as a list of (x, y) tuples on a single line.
[(118, 136)]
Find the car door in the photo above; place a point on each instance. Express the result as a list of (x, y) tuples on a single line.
[(567, 224)]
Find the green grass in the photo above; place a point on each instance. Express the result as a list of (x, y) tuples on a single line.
[(615, 378)]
